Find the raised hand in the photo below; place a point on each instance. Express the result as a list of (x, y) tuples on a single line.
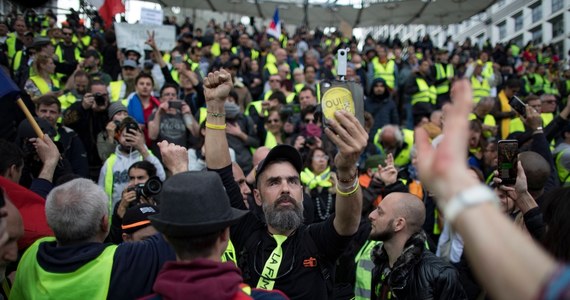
[(217, 86), (174, 157), (349, 137), (150, 41), (388, 174), (444, 170)]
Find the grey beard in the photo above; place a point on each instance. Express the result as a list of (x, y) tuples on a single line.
[(283, 219)]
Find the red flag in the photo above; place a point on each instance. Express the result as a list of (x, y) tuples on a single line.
[(109, 9)]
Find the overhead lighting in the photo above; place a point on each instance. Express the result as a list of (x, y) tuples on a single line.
[(175, 9)]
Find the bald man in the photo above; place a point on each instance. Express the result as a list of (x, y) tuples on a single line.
[(402, 264)]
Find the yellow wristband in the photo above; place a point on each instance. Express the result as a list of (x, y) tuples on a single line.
[(349, 193), (215, 126)]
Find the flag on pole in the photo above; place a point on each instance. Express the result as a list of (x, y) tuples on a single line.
[(274, 28), (108, 9)]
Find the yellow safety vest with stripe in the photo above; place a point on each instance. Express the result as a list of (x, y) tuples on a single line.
[(386, 73), (85, 41), (11, 45), (402, 158), (312, 180), (480, 89), (442, 73), (76, 53), (539, 83), (118, 88), (270, 140), (487, 70), (364, 266), (43, 86), (66, 100), (488, 120), (17, 60), (230, 253), (426, 93), (563, 173), (33, 282)]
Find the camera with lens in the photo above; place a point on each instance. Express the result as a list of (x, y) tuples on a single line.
[(99, 99), (152, 187), (132, 127), (310, 141)]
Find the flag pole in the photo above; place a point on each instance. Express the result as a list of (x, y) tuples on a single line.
[(30, 118)]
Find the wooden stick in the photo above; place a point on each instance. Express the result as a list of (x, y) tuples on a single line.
[(30, 118)]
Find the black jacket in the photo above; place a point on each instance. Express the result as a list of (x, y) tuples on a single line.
[(417, 274)]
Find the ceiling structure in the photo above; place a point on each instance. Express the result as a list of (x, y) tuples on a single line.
[(363, 13)]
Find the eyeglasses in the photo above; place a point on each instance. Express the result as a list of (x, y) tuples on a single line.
[(321, 157), (310, 121), (269, 121)]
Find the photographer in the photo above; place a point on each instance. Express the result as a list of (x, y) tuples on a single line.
[(114, 177), (107, 139), (138, 191), (88, 117), (172, 120)]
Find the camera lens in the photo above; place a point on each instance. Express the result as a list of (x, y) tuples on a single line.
[(342, 53)]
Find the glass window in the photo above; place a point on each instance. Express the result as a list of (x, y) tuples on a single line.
[(536, 12), (537, 35), (518, 18), (502, 30), (557, 5), (559, 49), (518, 40), (557, 26)]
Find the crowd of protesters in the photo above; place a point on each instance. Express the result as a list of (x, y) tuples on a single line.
[(105, 110)]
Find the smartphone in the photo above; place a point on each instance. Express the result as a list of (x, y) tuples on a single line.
[(177, 104), (507, 161), (518, 106)]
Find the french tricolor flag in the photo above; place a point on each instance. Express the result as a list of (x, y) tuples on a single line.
[(274, 28), (108, 9)]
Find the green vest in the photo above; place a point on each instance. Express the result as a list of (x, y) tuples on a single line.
[(563, 173), (66, 100), (17, 61), (91, 281), (442, 73), (215, 49), (117, 88), (11, 45), (364, 266), (538, 85), (425, 92), (402, 158), (270, 140), (271, 68), (256, 105), (43, 86), (230, 253), (386, 73), (488, 70), (480, 89)]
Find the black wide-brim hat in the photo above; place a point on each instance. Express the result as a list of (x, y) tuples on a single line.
[(194, 204)]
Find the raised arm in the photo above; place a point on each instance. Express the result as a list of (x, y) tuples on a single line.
[(350, 138), (217, 86), (508, 264)]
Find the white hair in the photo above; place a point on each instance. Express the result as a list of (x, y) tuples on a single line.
[(74, 210), (397, 133)]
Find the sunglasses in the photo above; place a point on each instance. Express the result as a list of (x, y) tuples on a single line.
[(67, 33), (310, 121), (269, 121)]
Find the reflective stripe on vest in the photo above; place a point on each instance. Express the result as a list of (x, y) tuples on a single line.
[(33, 282), (480, 89), (364, 266), (563, 173), (386, 73), (425, 92), (42, 85), (403, 158)]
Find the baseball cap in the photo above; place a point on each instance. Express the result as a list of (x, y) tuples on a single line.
[(281, 153), (136, 217), (129, 64)]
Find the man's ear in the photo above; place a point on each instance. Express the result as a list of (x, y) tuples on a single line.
[(399, 224), (105, 224), (257, 196)]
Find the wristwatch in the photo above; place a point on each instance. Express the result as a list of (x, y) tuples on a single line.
[(470, 197)]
